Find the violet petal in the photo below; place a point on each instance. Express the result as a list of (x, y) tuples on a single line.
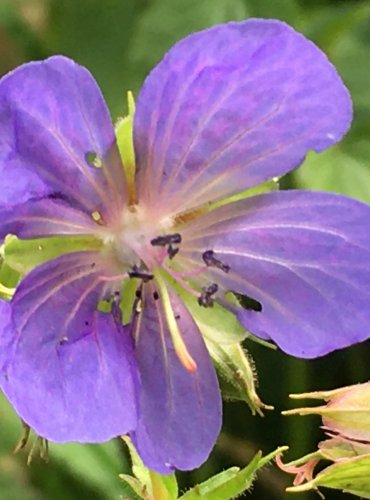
[(70, 371), (45, 217), (232, 106), (53, 120), (179, 412), (305, 256)]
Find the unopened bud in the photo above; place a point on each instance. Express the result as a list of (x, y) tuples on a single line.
[(346, 413)]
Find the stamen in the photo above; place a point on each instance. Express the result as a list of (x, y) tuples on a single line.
[(96, 216), (248, 302), (179, 278), (206, 299), (178, 343), (168, 239), (211, 261), (171, 251), (141, 274)]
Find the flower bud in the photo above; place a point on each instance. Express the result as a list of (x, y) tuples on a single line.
[(346, 413)]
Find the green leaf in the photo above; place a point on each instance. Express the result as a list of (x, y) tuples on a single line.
[(23, 255), (335, 171), (232, 482), (74, 471), (99, 465)]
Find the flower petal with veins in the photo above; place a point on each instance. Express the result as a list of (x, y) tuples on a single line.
[(230, 107), (48, 126), (179, 411), (305, 256), (68, 365), (46, 217)]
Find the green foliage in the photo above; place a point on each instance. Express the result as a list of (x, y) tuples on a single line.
[(230, 483), (336, 171), (74, 471)]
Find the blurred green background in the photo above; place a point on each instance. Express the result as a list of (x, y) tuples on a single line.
[(120, 41)]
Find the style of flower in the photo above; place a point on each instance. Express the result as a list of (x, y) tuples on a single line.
[(226, 109)]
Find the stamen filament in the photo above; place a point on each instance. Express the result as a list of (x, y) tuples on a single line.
[(189, 274), (178, 277), (178, 342)]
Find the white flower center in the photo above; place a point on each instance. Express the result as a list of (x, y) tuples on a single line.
[(131, 237)]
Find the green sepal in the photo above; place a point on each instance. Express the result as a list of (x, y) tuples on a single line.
[(24, 255), (236, 374), (265, 187), (232, 482), (125, 140), (128, 294), (147, 484), (337, 448), (216, 323), (348, 475)]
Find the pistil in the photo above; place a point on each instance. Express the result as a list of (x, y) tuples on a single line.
[(178, 342)]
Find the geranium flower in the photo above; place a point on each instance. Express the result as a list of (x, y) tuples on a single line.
[(224, 111)]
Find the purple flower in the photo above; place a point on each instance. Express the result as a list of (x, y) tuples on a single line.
[(225, 110)]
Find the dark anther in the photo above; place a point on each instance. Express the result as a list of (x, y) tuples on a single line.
[(171, 251), (155, 295), (211, 261), (205, 299), (248, 302), (138, 294), (168, 239), (141, 274)]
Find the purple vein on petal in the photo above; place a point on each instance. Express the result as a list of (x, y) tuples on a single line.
[(217, 188), (78, 263), (216, 155), (46, 217)]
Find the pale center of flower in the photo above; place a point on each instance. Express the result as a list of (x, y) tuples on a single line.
[(131, 237)]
